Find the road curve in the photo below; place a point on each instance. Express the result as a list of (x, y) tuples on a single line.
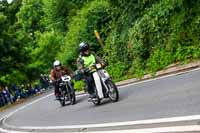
[(173, 96)]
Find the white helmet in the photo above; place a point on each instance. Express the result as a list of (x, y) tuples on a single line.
[(56, 63)]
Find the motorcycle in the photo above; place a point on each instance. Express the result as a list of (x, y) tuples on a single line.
[(67, 91), (103, 85)]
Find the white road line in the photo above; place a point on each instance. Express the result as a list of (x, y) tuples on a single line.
[(192, 128), (107, 124), (29, 104), (11, 131), (21, 108), (25, 106), (126, 123)]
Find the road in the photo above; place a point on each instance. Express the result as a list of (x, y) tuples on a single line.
[(162, 103)]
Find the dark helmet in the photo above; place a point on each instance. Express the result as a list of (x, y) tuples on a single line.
[(83, 47)]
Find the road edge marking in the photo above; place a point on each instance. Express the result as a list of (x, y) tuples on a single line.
[(191, 128), (113, 124), (131, 84)]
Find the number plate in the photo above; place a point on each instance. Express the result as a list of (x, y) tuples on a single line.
[(98, 66)]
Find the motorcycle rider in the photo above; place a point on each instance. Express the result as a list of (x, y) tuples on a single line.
[(85, 60), (55, 75)]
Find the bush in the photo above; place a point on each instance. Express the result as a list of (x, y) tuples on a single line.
[(117, 70), (137, 68), (159, 59), (79, 85), (139, 35), (187, 52)]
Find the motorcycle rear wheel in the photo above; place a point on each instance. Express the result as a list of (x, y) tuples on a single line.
[(96, 101)]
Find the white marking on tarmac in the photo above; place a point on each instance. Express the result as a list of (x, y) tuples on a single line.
[(149, 80), (107, 124), (192, 128), (29, 104), (25, 106), (10, 131), (126, 123)]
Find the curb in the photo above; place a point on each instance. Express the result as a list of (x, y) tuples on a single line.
[(176, 69), (169, 70)]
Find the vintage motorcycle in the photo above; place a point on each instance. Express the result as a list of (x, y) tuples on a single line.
[(67, 91), (103, 84)]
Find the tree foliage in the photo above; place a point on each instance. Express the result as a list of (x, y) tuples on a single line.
[(82, 28), (140, 36)]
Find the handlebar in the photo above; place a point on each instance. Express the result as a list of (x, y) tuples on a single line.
[(94, 67)]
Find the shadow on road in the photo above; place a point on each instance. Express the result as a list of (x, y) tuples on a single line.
[(78, 100), (81, 99)]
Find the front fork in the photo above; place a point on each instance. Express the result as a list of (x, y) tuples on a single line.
[(100, 78), (98, 85)]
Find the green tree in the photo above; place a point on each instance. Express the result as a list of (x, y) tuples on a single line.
[(13, 53), (81, 28), (57, 14), (43, 56), (30, 15)]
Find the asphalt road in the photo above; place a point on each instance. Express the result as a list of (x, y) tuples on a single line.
[(172, 96)]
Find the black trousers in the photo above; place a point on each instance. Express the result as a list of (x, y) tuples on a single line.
[(89, 82), (56, 90)]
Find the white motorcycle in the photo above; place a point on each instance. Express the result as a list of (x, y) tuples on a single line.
[(103, 85)]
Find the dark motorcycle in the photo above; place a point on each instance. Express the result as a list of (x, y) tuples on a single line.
[(67, 91)]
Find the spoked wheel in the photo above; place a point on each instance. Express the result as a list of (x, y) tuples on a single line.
[(113, 93), (73, 98), (97, 100), (62, 101), (71, 95)]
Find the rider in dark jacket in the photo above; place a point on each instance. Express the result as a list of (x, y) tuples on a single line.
[(56, 73)]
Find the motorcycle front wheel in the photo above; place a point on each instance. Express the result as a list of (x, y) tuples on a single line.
[(113, 93), (72, 95), (62, 101)]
